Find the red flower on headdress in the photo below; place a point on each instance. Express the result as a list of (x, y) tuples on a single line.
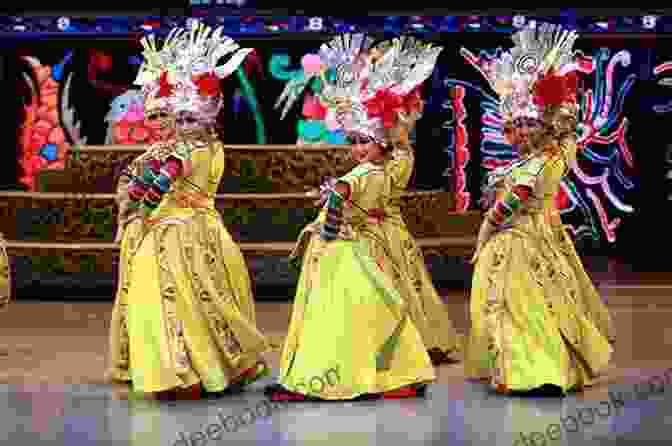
[(556, 90), (387, 105), (208, 84), (413, 101), (165, 87)]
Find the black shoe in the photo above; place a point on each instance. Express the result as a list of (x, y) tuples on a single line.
[(545, 391), (233, 389), (273, 388), (367, 397)]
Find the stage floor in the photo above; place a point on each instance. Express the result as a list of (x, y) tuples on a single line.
[(52, 359)]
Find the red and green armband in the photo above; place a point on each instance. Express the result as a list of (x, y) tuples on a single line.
[(169, 171), (332, 226), (162, 182), (139, 186), (505, 208)]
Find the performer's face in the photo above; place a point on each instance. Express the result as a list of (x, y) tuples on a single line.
[(359, 147), (522, 134), (374, 153), (363, 152), (160, 121), (187, 121), (519, 134), (358, 152)]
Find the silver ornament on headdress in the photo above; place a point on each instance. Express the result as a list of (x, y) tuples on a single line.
[(401, 64), (513, 73), (183, 55)]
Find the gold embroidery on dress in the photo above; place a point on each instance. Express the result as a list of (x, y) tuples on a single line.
[(494, 310), (124, 352), (178, 346), (223, 334), (230, 342), (178, 343)]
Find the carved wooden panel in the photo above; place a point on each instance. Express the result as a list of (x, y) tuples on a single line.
[(69, 218), (285, 168)]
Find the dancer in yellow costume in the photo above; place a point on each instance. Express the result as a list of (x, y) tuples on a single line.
[(5, 276), (588, 297), (529, 330), (428, 311), (183, 321), (406, 62), (351, 335)]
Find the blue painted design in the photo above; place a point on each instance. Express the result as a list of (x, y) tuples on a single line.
[(49, 152), (337, 138), (313, 129), (58, 70)]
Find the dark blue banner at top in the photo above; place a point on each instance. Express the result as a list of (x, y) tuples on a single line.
[(252, 23)]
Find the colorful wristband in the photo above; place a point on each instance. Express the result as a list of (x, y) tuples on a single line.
[(504, 209), (334, 218)]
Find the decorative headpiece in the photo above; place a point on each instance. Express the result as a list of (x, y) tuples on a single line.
[(184, 75), (366, 89), (538, 72)]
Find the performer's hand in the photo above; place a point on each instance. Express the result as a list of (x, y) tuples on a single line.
[(474, 258), (295, 263)]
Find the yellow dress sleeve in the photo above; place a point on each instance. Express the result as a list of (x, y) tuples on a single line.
[(356, 179), (125, 212), (400, 167), (527, 174), (569, 149), (200, 164), (217, 166)]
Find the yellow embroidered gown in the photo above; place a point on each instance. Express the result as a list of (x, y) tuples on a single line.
[(588, 297), (350, 327), (428, 311), (184, 312), (529, 327), (5, 276)]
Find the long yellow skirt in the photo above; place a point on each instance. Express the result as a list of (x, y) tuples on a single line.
[(183, 313), (350, 332), (5, 277), (589, 298), (527, 326), (427, 310)]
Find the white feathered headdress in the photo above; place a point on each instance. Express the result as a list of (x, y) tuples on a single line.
[(538, 71), (184, 74), (366, 88)]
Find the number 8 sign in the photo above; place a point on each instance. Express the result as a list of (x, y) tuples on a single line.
[(315, 24)]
